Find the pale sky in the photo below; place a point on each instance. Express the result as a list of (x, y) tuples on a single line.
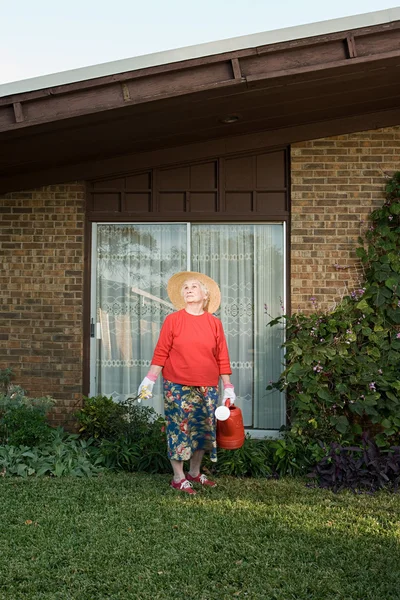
[(39, 37)]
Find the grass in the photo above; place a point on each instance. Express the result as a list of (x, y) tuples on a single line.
[(132, 537)]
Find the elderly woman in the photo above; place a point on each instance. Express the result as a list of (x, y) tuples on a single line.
[(192, 355)]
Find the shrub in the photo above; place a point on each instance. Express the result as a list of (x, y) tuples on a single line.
[(143, 447), (251, 460), (292, 455), (24, 425), (342, 367), (101, 417), (365, 468), (120, 454), (23, 420), (153, 449)]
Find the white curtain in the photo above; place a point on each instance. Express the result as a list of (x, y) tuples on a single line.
[(134, 263), (248, 263)]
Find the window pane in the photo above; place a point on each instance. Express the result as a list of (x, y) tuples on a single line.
[(248, 262), (134, 263)]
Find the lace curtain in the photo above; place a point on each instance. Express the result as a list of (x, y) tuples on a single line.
[(134, 263), (247, 262)]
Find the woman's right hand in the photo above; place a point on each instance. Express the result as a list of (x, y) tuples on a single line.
[(146, 388), (229, 394)]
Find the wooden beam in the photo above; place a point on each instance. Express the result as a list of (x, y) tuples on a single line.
[(18, 112), (237, 72), (125, 92), (351, 46)]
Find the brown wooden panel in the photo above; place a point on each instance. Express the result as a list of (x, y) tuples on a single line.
[(271, 203), (104, 201), (239, 173), (239, 202), (271, 170), (137, 202), (174, 179), (139, 181), (75, 103), (203, 202), (248, 185), (203, 176), (112, 183), (176, 81), (294, 58), (171, 202), (384, 41), (7, 116)]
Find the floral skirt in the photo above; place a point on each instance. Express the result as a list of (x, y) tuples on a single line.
[(190, 417)]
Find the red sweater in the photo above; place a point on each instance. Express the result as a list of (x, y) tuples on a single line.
[(192, 349)]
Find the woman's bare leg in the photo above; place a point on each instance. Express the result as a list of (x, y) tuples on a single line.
[(177, 467), (195, 463)]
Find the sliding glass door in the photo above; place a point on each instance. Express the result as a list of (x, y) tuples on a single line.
[(131, 267)]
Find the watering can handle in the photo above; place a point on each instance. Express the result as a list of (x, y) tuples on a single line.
[(228, 402)]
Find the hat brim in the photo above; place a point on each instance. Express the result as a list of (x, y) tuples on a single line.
[(174, 289)]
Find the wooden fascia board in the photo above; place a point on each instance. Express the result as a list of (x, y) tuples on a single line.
[(158, 83), (203, 150), (189, 64), (19, 120), (367, 60)]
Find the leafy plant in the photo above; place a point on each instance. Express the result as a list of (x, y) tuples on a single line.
[(24, 425), (23, 420), (251, 460), (292, 455), (342, 367), (142, 448), (120, 454), (6, 375), (365, 468), (63, 455), (153, 449), (100, 417)]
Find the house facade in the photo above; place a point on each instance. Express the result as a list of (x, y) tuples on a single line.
[(256, 162)]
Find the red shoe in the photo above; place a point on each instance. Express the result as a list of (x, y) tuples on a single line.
[(201, 478), (183, 486)]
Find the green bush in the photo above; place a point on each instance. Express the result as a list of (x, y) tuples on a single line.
[(342, 373), (251, 460), (142, 447), (120, 454), (293, 455), (153, 449), (24, 425), (100, 417), (23, 420)]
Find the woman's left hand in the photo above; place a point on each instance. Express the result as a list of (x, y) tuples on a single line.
[(229, 393)]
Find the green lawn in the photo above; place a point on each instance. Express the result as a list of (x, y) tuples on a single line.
[(130, 536)]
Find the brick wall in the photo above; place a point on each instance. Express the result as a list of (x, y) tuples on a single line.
[(336, 182), (41, 292)]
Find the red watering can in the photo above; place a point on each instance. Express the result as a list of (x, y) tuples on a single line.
[(230, 428)]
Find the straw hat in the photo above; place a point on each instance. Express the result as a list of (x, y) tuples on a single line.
[(174, 289)]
